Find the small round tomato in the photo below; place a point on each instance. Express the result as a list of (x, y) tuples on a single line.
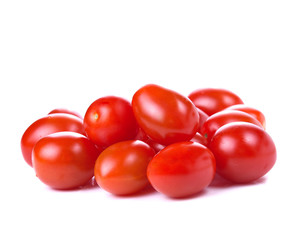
[(221, 118), (164, 115), (203, 118), (212, 100), (181, 169), (109, 120), (64, 160), (250, 110), (121, 168), (199, 138), (244, 152), (64, 110), (141, 135), (52, 123)]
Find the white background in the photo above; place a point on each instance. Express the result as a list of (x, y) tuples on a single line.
[(68, 53)]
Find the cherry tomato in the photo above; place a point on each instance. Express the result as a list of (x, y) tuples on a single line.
[(203, 118), (244, 152), (109, 120), (164, 115), (199, 138), (181, 169), (52, 123), (121, 168), (141, 135), (63, 110), (64, 160), (212, 100), (221, 118), (250, 110)]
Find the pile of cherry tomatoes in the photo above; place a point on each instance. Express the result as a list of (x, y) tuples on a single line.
[(174, 143)]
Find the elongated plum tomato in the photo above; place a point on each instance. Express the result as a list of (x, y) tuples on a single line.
[(221, 118), (212, 100), (109, 120), (181, 169), (250, 110), (203, 118), (52, 123), (199, 138), (165, 115), (64, 110), (121, 168), (64, 160), (243, 151)]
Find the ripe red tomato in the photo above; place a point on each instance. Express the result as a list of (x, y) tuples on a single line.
[(63, 110), (221, 118), (212, 100), (250, 110), (181, 169), (203, 118), (121, 168), (141, 135), (109, 120), (244, 152), (64, 160), (52, 123), (165, 115), (199, 138)]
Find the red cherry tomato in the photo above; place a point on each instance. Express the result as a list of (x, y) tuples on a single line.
[(203, 118), (63, 110), (221, 118), (52, 123), (250, 110), (141, 135), (181, 169), (121, 168), (64, 160), (199, 138), (109, 120), (212, 100), (164, 115), (244, 152)]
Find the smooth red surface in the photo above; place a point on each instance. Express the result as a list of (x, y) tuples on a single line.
[(244, 152), (203, 118), (52, 123), (121, 168), (212, 100), (165, 115), (250, 110), (64, 160), (64, 110), (141, 135), (214, 122), (181, 169), (109, 120), (199, 138)]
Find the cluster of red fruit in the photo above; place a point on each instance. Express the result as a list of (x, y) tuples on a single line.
[(175, 143)]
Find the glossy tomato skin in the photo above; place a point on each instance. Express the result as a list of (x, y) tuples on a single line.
[(244, 152), (165, 115), (250, 110), (199, 138), (212, 100), (181, 169), (141, 135), (64, 110), (64, 160), (109, 120), (121, 168), (203, 118), (221, 118), (44, 126)]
